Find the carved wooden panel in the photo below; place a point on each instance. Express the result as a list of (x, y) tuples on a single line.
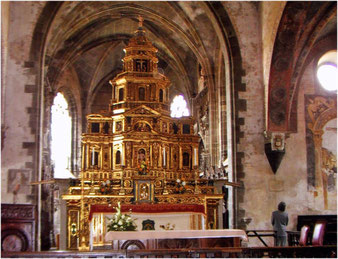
[(18, 227), (73, 228)]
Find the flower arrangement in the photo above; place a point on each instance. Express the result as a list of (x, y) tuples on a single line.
[(142, 168), (105, 187), (121, 222), (180, 186)]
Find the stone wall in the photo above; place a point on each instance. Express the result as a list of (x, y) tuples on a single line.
[(20, 116), (252, 199)]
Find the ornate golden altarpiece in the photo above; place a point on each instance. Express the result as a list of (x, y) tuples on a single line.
[(135, 152)]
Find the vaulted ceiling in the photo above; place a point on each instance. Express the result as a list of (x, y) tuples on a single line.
[(86, 41)]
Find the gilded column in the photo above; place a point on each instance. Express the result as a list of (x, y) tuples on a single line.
[(111, 156), (180, 159), (83, 157), (151, 154)]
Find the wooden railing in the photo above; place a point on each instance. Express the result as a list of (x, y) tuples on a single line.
[(328, 251), (260, 234)]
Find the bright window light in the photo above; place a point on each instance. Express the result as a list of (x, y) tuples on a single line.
[(327, 76), (61, 129), (327, 70), (178, 107)]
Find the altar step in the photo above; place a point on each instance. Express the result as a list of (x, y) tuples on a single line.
[(327, 251)]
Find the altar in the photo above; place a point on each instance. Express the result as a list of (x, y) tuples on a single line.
[(159, 217), (137, 155), (172, 239)]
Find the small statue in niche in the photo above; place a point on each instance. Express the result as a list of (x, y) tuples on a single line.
[(142, 163), (142, 126), (164, 127)]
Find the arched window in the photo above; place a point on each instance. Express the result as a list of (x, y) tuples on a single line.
[(61, 138), (178, 107), (121, 93), (327, 70), (118, 157), (141, 94), (161, 95)]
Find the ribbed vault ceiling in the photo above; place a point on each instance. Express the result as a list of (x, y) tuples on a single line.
[(89, 37)]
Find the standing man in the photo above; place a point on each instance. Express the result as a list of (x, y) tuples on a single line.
[(279, 221)]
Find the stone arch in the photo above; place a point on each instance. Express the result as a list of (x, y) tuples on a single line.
[(135, 243), (299, 19), (233, 67)]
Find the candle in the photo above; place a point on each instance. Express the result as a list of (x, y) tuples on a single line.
[(122, 157), (164, 156), (93, 156), (195, 157)]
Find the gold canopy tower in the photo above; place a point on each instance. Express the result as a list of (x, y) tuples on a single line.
[(135, 153)]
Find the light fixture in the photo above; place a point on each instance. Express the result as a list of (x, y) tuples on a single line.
[(327, 70), (327, 76)]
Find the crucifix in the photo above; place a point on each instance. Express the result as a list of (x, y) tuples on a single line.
[(141, 65)]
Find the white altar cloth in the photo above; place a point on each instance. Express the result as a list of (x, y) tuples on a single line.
[(178, 234)]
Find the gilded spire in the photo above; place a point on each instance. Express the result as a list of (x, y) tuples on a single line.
[(140, 21)]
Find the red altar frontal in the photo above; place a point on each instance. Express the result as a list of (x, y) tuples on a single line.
[(149, 208)]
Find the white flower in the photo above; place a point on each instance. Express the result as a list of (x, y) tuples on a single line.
[(123, 216), (183, 183), (120, 222), (178, 180)]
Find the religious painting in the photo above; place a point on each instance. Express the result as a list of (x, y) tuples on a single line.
[(18, 181), (118, 126), (144, 191), (321, 144)]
